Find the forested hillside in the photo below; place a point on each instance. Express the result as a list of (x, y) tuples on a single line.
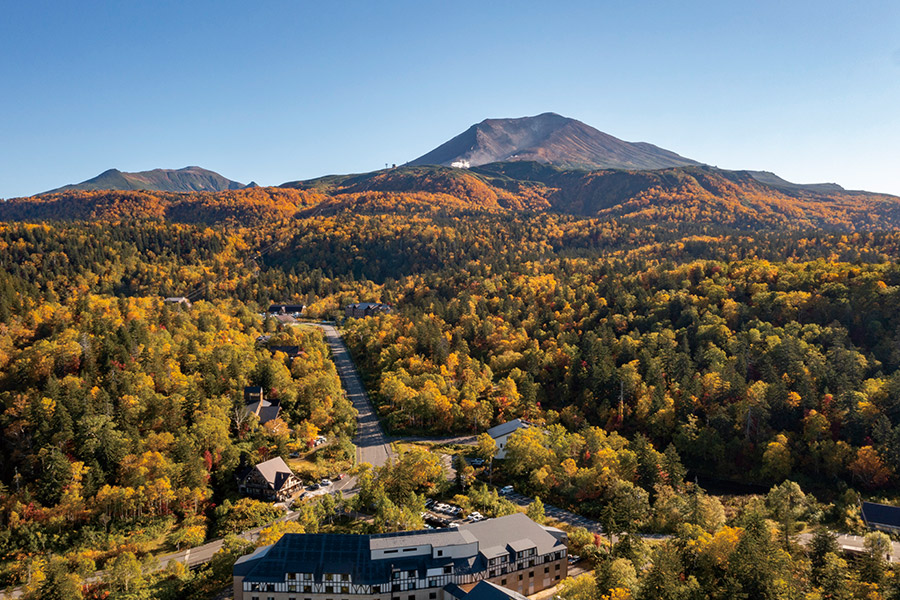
[(645, 348), (691, 194)]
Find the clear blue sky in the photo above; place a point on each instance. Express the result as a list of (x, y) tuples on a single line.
[(279, 91)]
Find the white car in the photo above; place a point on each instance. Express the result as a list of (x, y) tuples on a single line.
[(325, 482), (507, 489)]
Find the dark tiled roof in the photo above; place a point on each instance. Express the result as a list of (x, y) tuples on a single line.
[(485, 590), (265, 410), (352, 554), (881, 514), (289, 350), (287, 308)]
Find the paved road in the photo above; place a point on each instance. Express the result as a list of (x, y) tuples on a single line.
[(371, 444), (371, 447)]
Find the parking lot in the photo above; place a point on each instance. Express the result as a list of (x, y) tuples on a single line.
[(440, 514), (556, 513)]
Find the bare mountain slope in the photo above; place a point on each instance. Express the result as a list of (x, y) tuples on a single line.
[(551, 139)]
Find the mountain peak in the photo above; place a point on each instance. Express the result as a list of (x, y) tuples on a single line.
[(548, 138), (187, 179)]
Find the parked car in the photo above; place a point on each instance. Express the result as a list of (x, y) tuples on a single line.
[(313, 487), (477, 462), (325, 482), (340, 476), (574, 558), (507, 489)]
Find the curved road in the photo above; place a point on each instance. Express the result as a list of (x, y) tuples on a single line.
[(371, 446)]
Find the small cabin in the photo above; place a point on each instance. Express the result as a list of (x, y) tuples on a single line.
[(270, 480)]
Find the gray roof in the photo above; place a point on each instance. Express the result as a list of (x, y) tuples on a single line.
[(434, 537), (508, 427), (275, 471), (519, 545), (494, 551), (518, 527)]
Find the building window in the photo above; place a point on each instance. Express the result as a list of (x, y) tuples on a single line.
[(503, 581), (432, 595), (376, 589), (531, 573), (411, 573), (329, 589), (556, 568), (329, 577), (448, 570), (412, 597), (520, 577), (556, 578), (440, 552), (345, 589), (546, 569)]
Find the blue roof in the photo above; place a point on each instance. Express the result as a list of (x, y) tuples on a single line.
[(881, 514)]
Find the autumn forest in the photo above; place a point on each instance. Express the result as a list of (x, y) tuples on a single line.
[(698, 350)]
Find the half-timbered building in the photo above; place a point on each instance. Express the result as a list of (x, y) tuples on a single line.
[(270, 480), (512, 551)]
